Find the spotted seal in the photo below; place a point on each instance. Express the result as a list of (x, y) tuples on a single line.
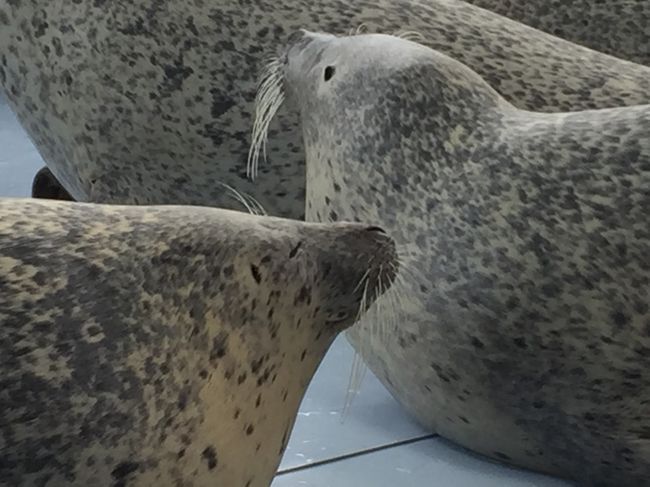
[(166, 345), (150, 102), (616, 27), (524, 332)]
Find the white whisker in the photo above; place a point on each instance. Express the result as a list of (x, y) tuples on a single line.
[(268, 100), (410, 35), (251, 204)]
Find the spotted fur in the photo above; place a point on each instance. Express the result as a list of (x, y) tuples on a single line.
[(164, 346), (150, 102), (525, 330), (616, 27)]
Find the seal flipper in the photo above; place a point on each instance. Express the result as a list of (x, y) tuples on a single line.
[(46, 186)]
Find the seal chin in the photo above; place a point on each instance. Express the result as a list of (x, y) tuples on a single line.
[(362, 276)]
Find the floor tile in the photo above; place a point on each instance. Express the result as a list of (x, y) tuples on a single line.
[(433, 462), (373, 419)]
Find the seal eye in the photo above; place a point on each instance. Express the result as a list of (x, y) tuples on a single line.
[(329, 72)]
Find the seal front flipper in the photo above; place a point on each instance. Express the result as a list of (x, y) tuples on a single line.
[(46, 186)]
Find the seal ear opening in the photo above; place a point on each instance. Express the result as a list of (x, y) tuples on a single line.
[(329, 73)]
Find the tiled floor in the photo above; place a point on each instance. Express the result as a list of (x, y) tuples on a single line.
[(375, 445)]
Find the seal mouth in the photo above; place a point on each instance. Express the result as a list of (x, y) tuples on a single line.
[(382, 271)]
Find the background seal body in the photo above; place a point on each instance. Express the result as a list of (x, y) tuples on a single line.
[(615, 27), (150, 102), (522, 331), (164, 346)]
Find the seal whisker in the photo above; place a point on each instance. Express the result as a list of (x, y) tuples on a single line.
[(268, 100), (410, 35), (365, 276), (357, 374), (361, 29), (245, 199)]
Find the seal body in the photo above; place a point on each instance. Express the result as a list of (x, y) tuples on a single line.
[(523, 329), (150, 102), (165, 345), (615, 27)]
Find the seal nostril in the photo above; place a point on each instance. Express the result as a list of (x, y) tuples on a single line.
[(376, 229), (329, 72)]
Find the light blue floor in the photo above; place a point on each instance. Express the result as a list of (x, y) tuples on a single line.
[(377, 444)]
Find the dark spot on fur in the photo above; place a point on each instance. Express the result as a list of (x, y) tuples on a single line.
[(182, 400), (256, 273), (210, 456), (520, 342), (477, 343), (620, 319), (302, 355), (219, 346), (258, 401), (294, 250), (256, 365), (220, 103), (502, 456), (302, 295), (124, 469), (250, 429)]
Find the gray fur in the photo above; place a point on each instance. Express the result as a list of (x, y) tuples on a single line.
[(524, 330), (620, 28), (149, 102), (165, 346)]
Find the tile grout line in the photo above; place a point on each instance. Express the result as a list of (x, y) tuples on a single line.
[(355, 454)]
